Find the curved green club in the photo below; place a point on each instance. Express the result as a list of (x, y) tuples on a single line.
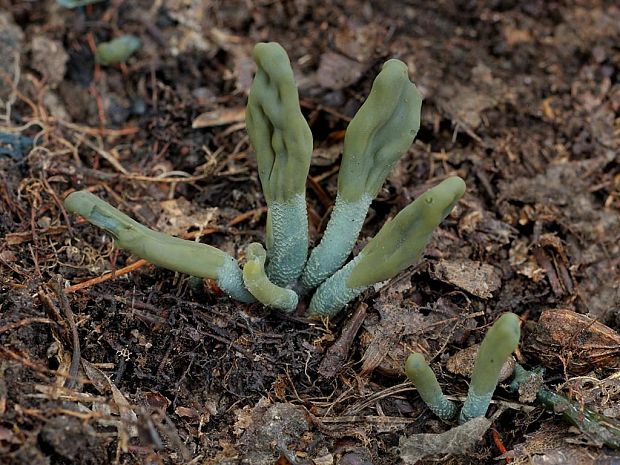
[(283, 143), (379, 134), (421, 375), (396, 246), (500, 341), (259, 285), (160, 249)]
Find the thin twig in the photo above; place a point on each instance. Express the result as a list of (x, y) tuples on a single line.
[(75, 340), (25, 322), (100, 279)]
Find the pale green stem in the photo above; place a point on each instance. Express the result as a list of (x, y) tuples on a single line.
[(259, 285), (334, 293), (287, 240), (424, 380), (338, 240)]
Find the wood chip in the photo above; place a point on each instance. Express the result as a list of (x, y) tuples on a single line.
[(337, 71), (462, 363), (562, 336), (479, 279), (219, 117)]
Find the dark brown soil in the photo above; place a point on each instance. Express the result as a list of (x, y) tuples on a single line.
[(522, 100)]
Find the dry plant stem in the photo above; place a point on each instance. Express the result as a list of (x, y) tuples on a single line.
[(598, 427), (169, 252), (337, 354), (70, 382), (100, 279), (25, 322)]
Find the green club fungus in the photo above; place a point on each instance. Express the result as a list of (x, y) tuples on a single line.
[(500, 341), (423, 378), (379, 134), (169, 252), (398, 245), (498, 344), (117, 50), (257, 282), (283, 143)]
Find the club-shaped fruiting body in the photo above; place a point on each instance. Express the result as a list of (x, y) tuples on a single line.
[(259, 285), (169, 252), (379, 134), (423, 378), (282, 140), (500, 341), (398, 245), (498, 344), (117, 50)]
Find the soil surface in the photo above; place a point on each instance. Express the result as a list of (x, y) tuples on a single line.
[(522, 100)]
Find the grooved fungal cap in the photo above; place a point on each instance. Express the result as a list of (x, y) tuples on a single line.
[(278, 131), (103, 215), (256, 252), (415, 363), (381, 131), (401, 241)]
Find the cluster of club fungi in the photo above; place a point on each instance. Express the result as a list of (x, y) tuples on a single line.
[(279, 273), (282, 271)]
